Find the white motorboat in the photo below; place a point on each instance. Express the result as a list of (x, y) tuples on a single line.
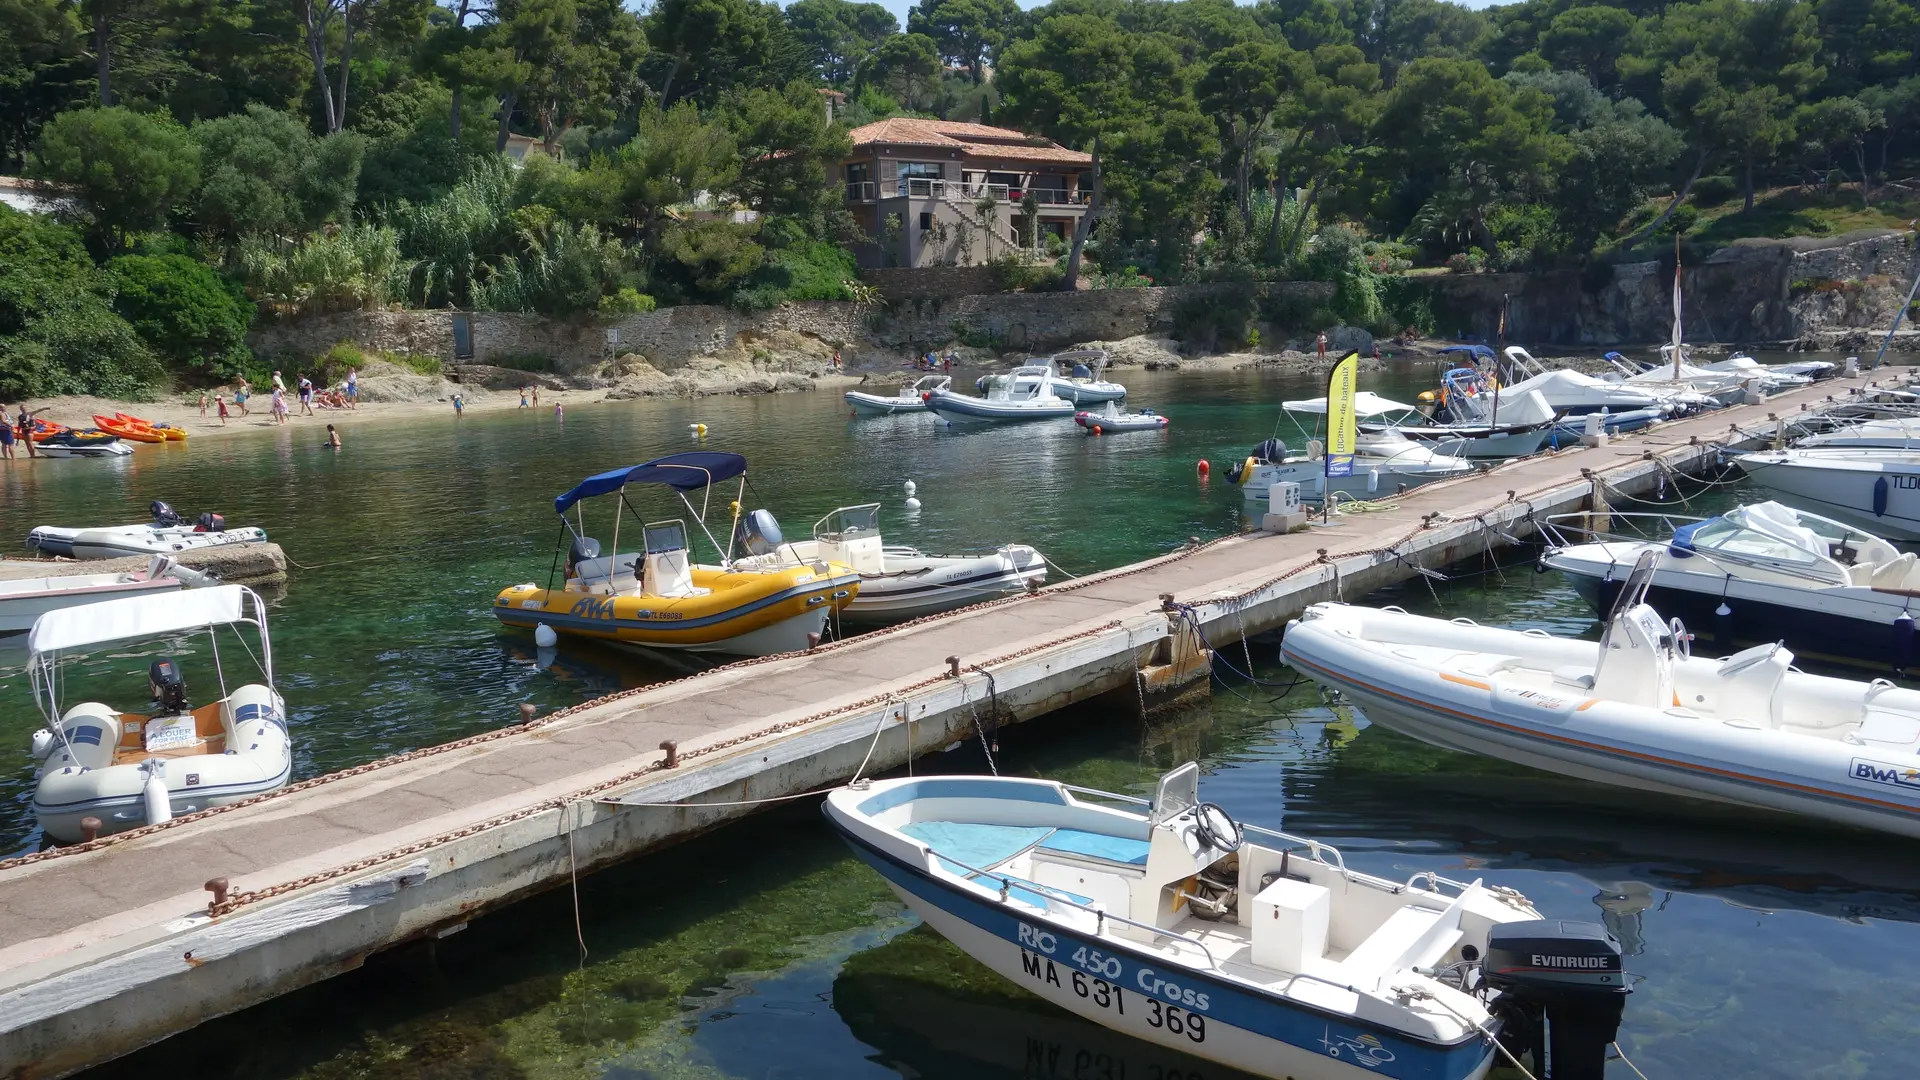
[(1635, 709), (1109, 420), (1876, 489), (1573, 393), (910, 398), (24, 600), (1385, 462), (1886, 433), (896, 583), (1171, 922), (167, 534), (126, 769), (1682, 380), (1082, 377), (1025, 393), (1793, 373), (1763, 572), (1513, 425)]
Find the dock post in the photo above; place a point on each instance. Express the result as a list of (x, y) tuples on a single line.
[(1599, 518), (1178, 671)]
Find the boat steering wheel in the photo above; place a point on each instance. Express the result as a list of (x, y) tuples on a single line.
[(1682, 641), (1216, 829)]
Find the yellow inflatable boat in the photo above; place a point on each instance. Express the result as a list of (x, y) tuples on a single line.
[(659, 598)]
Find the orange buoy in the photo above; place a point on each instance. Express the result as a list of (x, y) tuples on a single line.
[(1204, 467)]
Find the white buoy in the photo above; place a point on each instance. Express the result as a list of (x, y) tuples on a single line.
[(699, 430), (159, 805), (911, 504), (544, 636), (911, 489)]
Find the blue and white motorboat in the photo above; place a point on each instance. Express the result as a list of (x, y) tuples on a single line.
[(909, 398), (1025, 393), (1082, 379), (1163, 921)]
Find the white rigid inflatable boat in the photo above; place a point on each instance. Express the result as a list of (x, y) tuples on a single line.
[(910, 397), (1025, 393), (166, 534), (896, 583), (1635, 710), (1109, 420), (1170, 922), (127, 769)]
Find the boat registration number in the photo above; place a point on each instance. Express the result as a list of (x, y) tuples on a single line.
[(1111, 996)]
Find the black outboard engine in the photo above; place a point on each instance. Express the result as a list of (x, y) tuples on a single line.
[(210, 522), (169, 686), (758, 533), (163, 515), (1562, 991), (584, 548), (1271, 450)]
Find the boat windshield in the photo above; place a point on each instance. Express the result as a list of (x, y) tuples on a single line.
[(849, 523), (1797, 549)]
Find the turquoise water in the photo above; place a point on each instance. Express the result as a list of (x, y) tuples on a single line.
[(764, 950)]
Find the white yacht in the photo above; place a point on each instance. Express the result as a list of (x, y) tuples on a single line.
[(1876, 489)]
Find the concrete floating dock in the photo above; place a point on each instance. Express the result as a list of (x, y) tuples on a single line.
[(254, 565), (108, 947)]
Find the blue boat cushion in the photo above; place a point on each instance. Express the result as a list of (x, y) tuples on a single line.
[(981, 846), (1097, 846)]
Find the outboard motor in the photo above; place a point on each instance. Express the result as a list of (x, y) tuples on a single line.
[(758, 533), (1082, 371), (1271, 450), (1562, 991), (584, 548), (169, 686), (210, 522), (163, 515)]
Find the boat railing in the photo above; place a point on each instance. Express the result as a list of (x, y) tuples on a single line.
[(1566, 530), (1325, 853), (1101, 915)]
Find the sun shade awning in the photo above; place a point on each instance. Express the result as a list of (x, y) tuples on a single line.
[(136, 617), (685, 472), (1365, 403)]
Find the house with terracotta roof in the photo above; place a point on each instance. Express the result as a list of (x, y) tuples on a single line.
[(942, 193)]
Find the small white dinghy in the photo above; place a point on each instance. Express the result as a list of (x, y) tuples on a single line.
[(910, 397), (24, 600), (167, 534), (1636, 710), (1109, 420), (896, 583), (1163, 921), (126, 769)]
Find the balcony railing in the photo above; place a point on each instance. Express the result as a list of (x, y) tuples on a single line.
[(923, 187)]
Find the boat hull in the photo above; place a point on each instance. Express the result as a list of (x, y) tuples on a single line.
[(1364, 483), (930, 584), (1117, 423), (1482, 445), (1846, 488), (1089, 393), (960, 408), (121, 543), (1565, 731), (21, 602), (877, 405), (773, 613)]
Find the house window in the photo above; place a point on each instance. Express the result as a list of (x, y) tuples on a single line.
[(860, 182), (926, 220), (918, 177)]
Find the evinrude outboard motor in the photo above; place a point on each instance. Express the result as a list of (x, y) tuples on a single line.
[(163, 515), (1082, 371), (210, 522), (1271, 450), (1562, 991), (584, 548), (758, 533), (169, 686)]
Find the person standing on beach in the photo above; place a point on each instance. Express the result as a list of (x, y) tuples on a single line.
[(6, 435), (220, 403), (277, 384), (1321, 344), (306, 396), (353, 388), (241, 395), (26, 427), (279, 405), (523, 397), (203, 404), (536, 395)]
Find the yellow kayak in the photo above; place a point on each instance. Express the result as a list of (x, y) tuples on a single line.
[(659, 598)]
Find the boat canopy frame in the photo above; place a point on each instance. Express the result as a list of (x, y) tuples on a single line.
[(694, 470), (164, 616)]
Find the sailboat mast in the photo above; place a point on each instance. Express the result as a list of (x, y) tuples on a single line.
[(1676, 305)]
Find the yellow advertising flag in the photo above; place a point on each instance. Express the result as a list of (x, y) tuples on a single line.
[(1342, 425)]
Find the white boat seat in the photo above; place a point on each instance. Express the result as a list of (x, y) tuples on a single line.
[(1578, 676), (1381, 954), (1749, 684), (1900, 573), (1891, 730)]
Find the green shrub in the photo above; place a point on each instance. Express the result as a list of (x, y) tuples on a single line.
[(806, 270), (1680, 221), (1012, 273), (1408, 302), (1713, 190), (627, 301), (57, 333), (187, 314)]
